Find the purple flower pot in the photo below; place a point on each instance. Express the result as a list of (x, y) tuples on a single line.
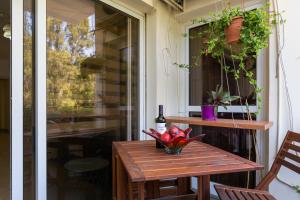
[(209, 112)]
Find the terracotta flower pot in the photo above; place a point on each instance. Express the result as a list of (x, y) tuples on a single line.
[(233, 31)]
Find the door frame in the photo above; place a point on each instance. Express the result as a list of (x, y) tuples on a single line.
[(41, 99), (16, 101), (41, 88)]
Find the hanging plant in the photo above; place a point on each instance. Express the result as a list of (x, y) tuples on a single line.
[(241, 34)]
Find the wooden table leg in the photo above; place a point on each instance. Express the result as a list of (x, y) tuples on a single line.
[(152, 189), (130, 193), (203, 192), (114, 174), (121, 179), (184, 185), (141, 190), (156, 189)]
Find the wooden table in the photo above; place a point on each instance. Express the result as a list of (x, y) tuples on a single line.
[(139, 162)]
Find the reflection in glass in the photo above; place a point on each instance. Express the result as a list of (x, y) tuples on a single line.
[(5, 49), (92, 94), (29, 151)]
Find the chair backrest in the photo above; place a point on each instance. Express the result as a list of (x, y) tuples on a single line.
[(288, 156)]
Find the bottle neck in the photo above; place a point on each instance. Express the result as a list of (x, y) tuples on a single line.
[(160, 110)]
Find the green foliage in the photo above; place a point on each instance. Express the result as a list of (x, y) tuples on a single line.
[(69, 90), (220, 97), (297, 188), (186, 66), (254, 36)]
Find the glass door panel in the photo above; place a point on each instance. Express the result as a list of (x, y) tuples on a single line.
[(29, 99), (92, 94), (5, 79)]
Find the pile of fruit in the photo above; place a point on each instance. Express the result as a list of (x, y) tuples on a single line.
[(174, 139)]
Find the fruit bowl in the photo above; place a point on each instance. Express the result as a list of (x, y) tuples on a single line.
[(174, 139)]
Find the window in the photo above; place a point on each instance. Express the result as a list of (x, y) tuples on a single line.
[(208, 73)]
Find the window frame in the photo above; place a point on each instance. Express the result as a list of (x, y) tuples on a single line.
[(230, 109), (260, 76)]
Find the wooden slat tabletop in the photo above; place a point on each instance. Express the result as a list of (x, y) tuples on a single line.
[(144, 162)]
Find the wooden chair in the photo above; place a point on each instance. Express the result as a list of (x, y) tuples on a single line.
[(288, 156)]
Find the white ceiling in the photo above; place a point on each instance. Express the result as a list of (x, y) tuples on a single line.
[(72, 11)]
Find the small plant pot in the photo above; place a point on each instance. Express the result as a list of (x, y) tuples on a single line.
[(209, 112), (233, 31)]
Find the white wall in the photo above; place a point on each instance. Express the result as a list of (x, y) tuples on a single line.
[(143, 6), (164, 47), (278, 109)]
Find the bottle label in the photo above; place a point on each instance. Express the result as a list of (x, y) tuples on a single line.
[(161, 127)]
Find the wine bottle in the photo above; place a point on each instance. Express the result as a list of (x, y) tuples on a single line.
[(160, 124)]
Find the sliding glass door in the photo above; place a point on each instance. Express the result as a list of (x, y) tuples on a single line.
[(71, 83), (16, 100), (29, 160), (92, 94)]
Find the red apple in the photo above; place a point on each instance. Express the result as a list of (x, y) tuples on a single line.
[(173, 131), (165, 137)]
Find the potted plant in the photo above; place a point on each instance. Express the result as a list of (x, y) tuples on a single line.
[(216, 98), (233, 31), (252, 30), (231, 22)]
